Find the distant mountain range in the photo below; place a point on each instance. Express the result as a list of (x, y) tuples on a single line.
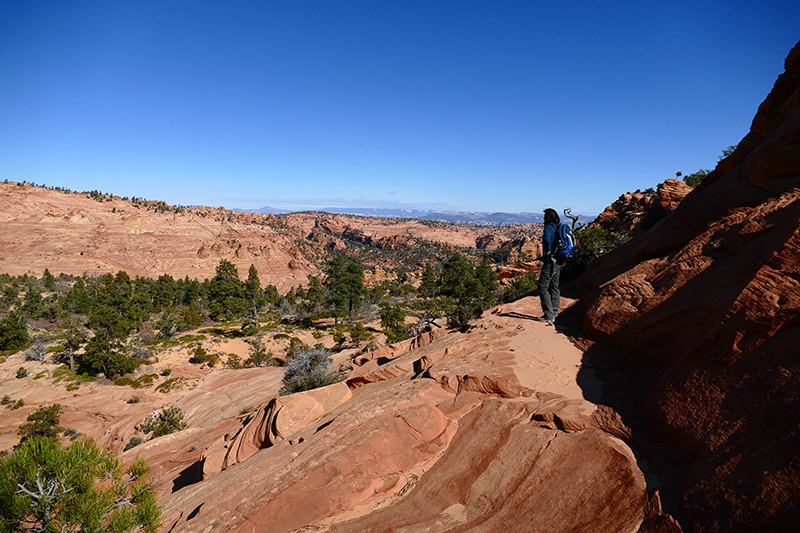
[(470, 217)]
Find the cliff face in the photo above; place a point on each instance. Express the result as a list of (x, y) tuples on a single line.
[(704, 309)]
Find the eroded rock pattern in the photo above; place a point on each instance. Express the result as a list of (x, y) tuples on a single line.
[(479, 431)]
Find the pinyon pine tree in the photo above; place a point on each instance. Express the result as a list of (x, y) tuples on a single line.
[(47, 487)]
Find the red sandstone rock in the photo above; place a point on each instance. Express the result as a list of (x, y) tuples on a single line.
[(706, 306), (448, 432)]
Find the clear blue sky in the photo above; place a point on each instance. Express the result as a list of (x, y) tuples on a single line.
[(478, 106)]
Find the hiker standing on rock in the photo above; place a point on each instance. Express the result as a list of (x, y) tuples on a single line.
[(549, 291)]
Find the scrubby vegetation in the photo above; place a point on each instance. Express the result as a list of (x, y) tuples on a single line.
[(308, 369), (45, 486), (164, 422)]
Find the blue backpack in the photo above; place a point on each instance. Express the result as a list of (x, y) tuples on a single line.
[(566, 243)]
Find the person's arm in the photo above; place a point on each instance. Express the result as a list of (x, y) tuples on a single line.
[(548, 240)]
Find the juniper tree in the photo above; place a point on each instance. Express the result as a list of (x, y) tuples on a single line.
[(344, 284), (13, 332)]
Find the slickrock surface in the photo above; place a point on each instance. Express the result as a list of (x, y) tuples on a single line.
[(486, 430), (703, 310)]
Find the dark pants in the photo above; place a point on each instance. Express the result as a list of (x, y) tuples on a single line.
[(549, 292)]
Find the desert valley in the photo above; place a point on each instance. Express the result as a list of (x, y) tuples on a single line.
[(665, 398)]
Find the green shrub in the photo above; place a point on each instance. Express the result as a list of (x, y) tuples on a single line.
[(21, 373), (522, 286), (168, 420), (135, 441), (169, 385), (200, 355), (20, 404), (134, 399), (234, 361), (42, 423), (259, 356)]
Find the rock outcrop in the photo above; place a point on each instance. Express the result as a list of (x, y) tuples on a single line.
[(635, 212), (703, 312), (479, 431)]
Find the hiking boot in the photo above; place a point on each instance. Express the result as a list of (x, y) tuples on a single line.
[(545, 319)]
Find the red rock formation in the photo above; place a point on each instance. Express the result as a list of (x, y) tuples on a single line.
[(703, 310), (449, 432), (635, 212)]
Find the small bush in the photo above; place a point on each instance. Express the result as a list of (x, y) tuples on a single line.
[(20, 404), (234, 361), (6, 400), (200, 355), (134, 399), (168, 420), (42, 423), (21, 373), (166, 372), (308, 369), (135, 441), (169, 385), (259, 356)]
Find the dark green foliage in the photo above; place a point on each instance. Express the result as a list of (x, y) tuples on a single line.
[(344, 285), (522, 286), (42, 423), (13, 332), (135, 441), (166, 324), (252, 293), (101, 356), (9, 296), (22, 372), (168, 420), (47, 487), (77, 299), (308, 369), (107, 323), (695, 179), (259, 356), (226, 294), (358, 333), (33, 304), (200, 355), (429, 286), (393, 323), (470, 290), (48, 280)]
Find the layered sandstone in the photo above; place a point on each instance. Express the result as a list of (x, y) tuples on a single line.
[(486, 430), (703, 311)]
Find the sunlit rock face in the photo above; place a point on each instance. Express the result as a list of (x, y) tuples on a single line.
[(484, 430), (705, 306)]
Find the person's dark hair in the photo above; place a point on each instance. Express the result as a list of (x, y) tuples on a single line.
[(550, 215)]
